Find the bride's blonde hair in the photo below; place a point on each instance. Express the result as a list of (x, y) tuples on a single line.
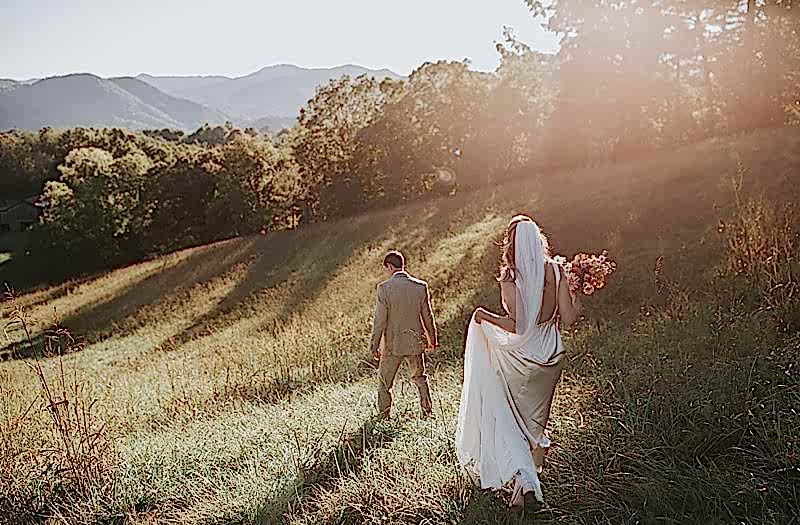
[(508, 270)]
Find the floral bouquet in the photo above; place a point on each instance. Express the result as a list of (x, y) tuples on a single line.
[(587, 272)]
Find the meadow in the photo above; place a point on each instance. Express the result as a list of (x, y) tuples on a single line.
[(230, 383)]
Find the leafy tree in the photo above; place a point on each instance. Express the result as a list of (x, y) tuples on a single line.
[(166, 134), (641, 75), (793, 113), (182, 196), (257, 184), (27, 160), (325, 139), (210, 135), (509, 130), (422, 130), (96, 206)]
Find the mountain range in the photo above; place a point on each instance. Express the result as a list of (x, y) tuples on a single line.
[(268, 98)]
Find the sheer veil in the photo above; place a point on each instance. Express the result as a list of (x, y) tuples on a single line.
[(529, 259)]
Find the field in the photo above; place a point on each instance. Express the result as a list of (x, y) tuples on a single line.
[(230, 383)]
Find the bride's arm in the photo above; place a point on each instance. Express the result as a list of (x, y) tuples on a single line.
[(504, 322), (508, 322)]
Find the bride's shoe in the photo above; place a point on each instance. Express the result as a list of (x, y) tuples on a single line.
[(517, 501), (521, 500), (527, 501)]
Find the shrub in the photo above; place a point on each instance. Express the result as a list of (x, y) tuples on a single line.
[(761, 253), (55, 456)]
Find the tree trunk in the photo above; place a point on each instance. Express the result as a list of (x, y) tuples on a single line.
[(710, 123), (776, 42), (748, 83)]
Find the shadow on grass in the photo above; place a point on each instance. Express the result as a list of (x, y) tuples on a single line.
[(96, 320), (268, 260), (489, 507), (25, 349), (325, 470), (40, 297), (308, 256)]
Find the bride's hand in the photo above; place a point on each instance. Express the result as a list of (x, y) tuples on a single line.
[(576, 301), (479, 317)]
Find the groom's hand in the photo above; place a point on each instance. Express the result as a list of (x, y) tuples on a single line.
[(376, 356)]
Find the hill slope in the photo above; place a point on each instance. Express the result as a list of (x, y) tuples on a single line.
[(88, 100), (278, 90), (190, 114), (233, 382)]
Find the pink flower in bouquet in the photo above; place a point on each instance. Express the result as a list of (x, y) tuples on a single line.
[(587, 273), (573, 281)]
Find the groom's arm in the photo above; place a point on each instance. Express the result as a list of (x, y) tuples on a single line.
[(428, 321), (379, 322)]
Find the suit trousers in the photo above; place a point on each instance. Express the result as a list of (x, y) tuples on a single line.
[(387, 371)]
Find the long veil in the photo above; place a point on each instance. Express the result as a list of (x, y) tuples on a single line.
[(493, 442), (529, 259), (529, 262)]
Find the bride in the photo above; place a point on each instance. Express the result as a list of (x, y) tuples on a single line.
[(512, 363)]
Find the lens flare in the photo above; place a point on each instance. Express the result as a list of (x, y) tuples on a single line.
[(445, 175)]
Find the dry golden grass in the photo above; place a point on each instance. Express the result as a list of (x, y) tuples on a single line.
[(232, 384)]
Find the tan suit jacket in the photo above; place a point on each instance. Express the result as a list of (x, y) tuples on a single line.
[(403, 316)]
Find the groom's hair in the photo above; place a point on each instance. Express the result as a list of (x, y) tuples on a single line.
[(396, 259)]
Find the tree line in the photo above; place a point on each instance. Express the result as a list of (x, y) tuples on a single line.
[(631, 78)]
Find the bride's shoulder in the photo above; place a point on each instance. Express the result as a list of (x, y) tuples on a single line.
[(554, 263), (552, 267)]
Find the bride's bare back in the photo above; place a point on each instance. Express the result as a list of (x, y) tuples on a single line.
[(508, 294)]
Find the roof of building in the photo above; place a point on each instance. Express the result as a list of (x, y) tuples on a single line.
[(5, 206)]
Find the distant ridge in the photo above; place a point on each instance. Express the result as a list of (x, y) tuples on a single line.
[(268, 98), (88, 100), (190, 114), (279, 90)]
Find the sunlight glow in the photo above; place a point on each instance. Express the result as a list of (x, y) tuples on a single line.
[(118, 37)]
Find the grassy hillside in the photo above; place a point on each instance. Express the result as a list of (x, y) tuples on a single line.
[(232, 386)]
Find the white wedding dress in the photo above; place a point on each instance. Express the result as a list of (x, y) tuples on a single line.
[(509, 381)]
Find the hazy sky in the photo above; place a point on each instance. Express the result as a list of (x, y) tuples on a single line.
[(235, 37)]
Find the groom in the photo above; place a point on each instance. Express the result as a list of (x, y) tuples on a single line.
[(404, 320)]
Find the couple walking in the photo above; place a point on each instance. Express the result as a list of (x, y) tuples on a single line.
[(512, 360)]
